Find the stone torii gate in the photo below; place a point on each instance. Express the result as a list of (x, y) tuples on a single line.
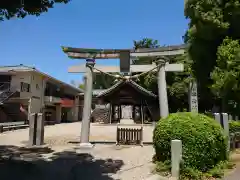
[(125, 56)]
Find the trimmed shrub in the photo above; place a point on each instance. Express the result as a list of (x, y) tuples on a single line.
[(203, 139), (234, 126)]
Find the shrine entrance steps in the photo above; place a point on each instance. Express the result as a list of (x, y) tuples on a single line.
[(127, 121)]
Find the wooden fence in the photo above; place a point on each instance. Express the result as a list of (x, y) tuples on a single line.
[(8, 126), (129, 136)]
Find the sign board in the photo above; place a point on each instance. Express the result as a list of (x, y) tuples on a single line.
[(193, 97)]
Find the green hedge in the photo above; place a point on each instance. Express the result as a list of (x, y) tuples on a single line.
[(234, 126), (204, 142)]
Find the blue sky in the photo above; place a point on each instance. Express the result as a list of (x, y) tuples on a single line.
[(36, 41)]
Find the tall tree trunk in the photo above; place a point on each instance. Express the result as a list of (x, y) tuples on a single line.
[(224, 104)]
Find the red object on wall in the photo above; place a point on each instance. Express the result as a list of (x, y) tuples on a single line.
[(21, 108), (67, 103)]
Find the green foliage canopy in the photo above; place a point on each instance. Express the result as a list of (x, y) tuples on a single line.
[(213, 24), (234, 126), (225, 75), (21, 8), (103, 81)]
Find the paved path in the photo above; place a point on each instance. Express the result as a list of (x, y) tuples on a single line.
[(61, 162), (235, 175)]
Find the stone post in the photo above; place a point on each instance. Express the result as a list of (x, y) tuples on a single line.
[(162, 92), (32, 129), (226, 128), (40, 130), (85, 129), (36, 129), (218, 118), (193, 97), (224, 122), (176, 156)]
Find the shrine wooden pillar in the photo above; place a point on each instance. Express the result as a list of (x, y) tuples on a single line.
[(115, 112), (110, 113), (133, 112), (142, 113), (119, 112)]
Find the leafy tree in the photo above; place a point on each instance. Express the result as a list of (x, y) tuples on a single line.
[(211, 21), (145, 43), (103, 81), (225, 76), (178, 84), (148, 81), (21, 8)]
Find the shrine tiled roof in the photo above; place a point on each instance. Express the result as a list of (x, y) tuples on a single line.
[(131, 83)]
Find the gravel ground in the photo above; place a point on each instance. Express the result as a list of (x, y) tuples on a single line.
[(70, 131), (103, 162)]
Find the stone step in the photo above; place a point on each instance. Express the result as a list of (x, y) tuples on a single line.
[(127, 121)]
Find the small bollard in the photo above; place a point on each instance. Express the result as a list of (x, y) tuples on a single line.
[(218, 118), (224, 122), (40, 130), (236, 118), (226, 128), (32, 129), (176, 156)]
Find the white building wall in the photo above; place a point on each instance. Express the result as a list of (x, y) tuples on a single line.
[(37, 89), (18, 78), (37, 92), (36, 95)]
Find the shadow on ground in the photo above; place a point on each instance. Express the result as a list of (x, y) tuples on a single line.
[(32, 164)]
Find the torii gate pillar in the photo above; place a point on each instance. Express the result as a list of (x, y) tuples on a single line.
[(162, 92), (85, 128)]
